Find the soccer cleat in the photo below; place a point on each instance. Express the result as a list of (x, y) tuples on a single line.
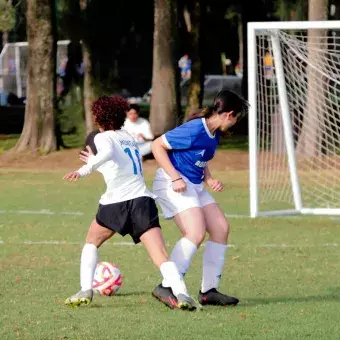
[(81, 298), (165, 295), (213, 297), (186, 302)]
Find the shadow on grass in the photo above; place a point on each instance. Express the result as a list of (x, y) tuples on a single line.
[(287, 299), (132, 294)]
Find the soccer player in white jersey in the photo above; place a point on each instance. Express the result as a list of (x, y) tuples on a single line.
[(126, 207), (183, 154)]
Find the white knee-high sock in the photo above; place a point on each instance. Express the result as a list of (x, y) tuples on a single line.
[(88, 263), (182, 255), (213, 262), (171, 275)]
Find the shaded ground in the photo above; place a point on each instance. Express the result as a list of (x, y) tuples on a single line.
[(68, 159)]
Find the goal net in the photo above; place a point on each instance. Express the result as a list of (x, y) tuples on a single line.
[(294, 120), (14, 63)]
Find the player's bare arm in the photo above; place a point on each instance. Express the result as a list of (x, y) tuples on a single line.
[(160, 152), (214, 184)]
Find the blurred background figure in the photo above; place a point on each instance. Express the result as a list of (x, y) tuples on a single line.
[(185, 65), (140, 130), (229, 69), (239, 70), (268, 65)]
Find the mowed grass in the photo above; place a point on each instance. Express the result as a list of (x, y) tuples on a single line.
[(284, 270)]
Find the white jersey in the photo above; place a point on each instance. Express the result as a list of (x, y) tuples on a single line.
[(141, 126), (119, 161)]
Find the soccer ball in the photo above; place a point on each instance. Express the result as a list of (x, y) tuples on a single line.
[(107, 279)]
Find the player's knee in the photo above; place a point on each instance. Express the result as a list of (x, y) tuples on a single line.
[(196, 236), (225, 231), (220, 234), (98, 239)]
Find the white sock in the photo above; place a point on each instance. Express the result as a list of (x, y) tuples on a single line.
[(88, 262), (213, 262), (171, 274), (182, 255)]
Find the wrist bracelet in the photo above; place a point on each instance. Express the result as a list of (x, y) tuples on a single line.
[(177, 179)]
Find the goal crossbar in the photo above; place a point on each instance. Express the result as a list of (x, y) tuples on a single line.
[(293, 25)]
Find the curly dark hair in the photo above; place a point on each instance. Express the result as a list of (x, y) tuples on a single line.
[(110, 112)]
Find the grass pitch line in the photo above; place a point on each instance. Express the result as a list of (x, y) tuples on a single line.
[(294, 217), (129, 244), (47, 243), (235, 215), (42, 212), (80, 213)]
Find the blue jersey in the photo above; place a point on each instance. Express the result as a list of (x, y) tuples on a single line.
[(191, 145)]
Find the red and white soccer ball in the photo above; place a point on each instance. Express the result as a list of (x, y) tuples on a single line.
[(107, 279)]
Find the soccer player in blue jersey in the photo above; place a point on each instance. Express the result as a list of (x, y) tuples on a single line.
[(183, 155)]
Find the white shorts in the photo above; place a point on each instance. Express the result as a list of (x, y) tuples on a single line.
[(171, 202)]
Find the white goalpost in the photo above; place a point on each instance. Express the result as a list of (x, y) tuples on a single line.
[(294, 117), (14, 62)]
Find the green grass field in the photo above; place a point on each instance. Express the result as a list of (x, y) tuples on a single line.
[(285, 271)]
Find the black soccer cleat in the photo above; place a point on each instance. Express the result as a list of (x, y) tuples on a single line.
[(186, 302), (165, 295), (214, 298)]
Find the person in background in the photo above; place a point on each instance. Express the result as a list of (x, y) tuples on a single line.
[(268, 65), (185, 65), (139, 128)]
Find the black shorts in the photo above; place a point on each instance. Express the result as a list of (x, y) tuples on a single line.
[(133, 217)]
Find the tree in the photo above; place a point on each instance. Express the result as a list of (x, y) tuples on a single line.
[(88, 75), (7, 19), (234, 15), (76, 23), (164, 101), (193, 21), (39, 127), (308, 142), (287, 10)]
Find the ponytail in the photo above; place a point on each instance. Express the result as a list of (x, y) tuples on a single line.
[(203, 113), (225, 101)]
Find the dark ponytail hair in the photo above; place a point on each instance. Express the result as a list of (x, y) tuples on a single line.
[(225, 101)]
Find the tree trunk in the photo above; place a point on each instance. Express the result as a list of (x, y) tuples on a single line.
[(88, 94), (195, 88), (4, 39), (309, 144), (88, 88), (164, 103), (240, 40), (4, 70), (39, 126)]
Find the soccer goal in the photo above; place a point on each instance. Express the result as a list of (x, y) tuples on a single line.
[(294, 117), (13, 65)]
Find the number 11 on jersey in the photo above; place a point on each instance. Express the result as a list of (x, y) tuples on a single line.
[(129, 153)]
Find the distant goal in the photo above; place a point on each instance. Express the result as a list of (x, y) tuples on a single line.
[(294, 118), (14, 63)]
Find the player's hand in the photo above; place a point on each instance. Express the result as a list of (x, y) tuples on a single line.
[(84, 155), (140, 137), (215, 185), (72, 176), (179, 186)]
